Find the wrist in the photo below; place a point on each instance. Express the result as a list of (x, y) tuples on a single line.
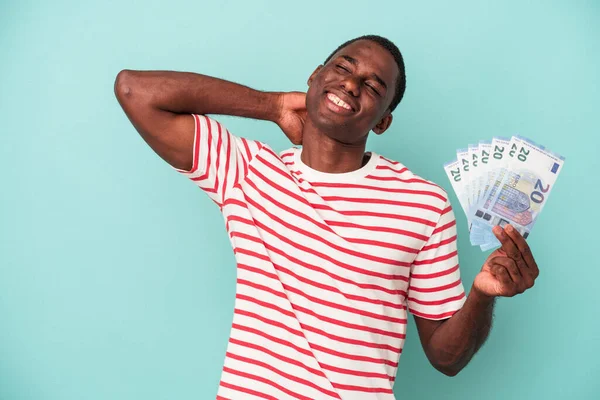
[(481, 297), (273, 106)]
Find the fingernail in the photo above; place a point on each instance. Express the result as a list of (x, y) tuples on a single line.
[(509, 228)]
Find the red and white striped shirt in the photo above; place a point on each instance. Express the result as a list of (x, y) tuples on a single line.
[(327, 267)]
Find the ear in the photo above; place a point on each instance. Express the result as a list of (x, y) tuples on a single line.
[(382, 125), (312, 76)]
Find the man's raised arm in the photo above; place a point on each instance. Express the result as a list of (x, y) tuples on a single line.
[(158, 104)]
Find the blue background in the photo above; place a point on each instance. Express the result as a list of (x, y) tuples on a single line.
[(116, 274)]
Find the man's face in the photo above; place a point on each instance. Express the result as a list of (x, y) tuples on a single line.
[(351, 94)]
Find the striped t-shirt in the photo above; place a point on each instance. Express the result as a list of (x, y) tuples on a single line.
[(327, 267)]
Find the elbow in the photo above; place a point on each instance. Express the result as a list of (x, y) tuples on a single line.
[(449, 366), (124, 85), (449, 370)]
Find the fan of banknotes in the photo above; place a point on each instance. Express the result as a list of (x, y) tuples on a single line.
[(502, 181)]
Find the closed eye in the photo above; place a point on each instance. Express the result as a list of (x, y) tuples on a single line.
[(374, 90), (342, 68)]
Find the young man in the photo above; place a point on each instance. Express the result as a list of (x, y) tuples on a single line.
[(333, 245)]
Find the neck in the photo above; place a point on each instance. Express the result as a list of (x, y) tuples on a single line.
[(322, 153)]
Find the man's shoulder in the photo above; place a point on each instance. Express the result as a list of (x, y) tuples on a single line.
[(400, 172), (287, 153)]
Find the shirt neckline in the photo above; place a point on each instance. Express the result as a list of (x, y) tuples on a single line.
[(312, 175)]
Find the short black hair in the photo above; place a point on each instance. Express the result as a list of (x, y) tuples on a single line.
[(395, 52)]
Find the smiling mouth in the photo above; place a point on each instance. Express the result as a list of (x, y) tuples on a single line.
[(338, 104)]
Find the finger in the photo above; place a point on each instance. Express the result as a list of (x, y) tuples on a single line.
[(519, 242), (524, 248), (500, 273), (511, 266), (507, 286), (509, 247)]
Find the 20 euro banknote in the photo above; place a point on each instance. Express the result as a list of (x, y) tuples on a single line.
[(521, 191)]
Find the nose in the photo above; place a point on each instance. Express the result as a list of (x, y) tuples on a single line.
[(351, 86)]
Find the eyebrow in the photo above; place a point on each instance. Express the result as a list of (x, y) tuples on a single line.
[(354, 62)]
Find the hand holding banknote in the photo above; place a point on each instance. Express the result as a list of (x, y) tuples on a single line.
[(509, 270)]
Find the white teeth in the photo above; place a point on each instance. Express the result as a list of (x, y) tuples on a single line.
[(338, 101)]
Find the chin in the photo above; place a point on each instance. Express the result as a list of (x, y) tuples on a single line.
[(326, 124)]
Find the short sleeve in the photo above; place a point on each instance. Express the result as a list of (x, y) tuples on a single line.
[(220, 159), (435, 288)]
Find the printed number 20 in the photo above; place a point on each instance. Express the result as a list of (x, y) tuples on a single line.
[(538, 197), (455, 174)]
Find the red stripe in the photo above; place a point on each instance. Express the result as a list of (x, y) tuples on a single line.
[(256, 270), (248, 152), (435, 274), (435, 289), (393, 246), (208, 151), (354, 357), (382, 201), (236, 202), (442, 243), (444, 227), (363, 213), (362, 389), (396, 179), (227, 159), (237, 172), (248, 155), (437, 302), (377, 375), (400, 217), (196, 144), (268, 321), (218, 150), (353, 310), (264, 288), (379, 188), (433, 316), (391, 162), (246, 390), (366, 328), (436, 259), (272, 338), (265, 381), (377, 229)]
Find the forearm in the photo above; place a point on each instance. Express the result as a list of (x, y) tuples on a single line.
[(455, 342), (191, 93)]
